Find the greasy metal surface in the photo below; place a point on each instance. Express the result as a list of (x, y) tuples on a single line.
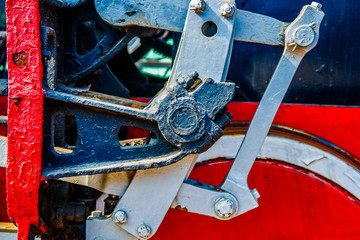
[(49, 55), (88, 42), (98, 122), (64, 3), (190, 125), (251, 27)]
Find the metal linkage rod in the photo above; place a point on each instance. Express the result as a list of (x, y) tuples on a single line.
[(300, 37)]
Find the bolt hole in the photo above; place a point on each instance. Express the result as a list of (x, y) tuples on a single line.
[(209, 29)]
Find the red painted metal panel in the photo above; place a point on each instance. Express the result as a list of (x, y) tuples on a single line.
[(338, 125), (24, 112), (294, 204)]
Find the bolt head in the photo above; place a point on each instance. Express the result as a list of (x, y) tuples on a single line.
[(304, 35), (316, 4), (197, 6), (144, 231), (120, 217), (224, 207), (227, 10)]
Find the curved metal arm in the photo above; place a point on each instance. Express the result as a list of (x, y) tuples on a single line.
[(300, 37)]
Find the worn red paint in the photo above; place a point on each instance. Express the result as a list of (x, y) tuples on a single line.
[(24, 112), (294, 204), (338, 125)]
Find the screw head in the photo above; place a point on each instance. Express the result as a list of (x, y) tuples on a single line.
[(224, 207), (144, 231), (120, 217), (316, 4), (227, 10), (304, 35), (197, 6)]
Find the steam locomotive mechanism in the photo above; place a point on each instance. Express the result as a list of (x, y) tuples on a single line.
[(88, 114)]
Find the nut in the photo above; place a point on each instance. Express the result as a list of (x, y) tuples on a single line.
[(224, 207), (144, 231), (227, 10), (304, 35), (120, 217), (197, 6)]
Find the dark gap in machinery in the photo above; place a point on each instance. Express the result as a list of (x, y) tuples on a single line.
[(65, 133), (131, 136)]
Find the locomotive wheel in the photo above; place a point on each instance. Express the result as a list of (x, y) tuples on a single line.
[(309, 190)]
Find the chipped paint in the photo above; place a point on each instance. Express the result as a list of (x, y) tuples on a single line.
[(24, 113)]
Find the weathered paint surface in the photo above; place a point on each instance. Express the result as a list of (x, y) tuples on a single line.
[(25, 112), (294, 204)]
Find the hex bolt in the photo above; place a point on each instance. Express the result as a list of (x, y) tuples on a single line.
[(120, 217), (198, 6), (304, 35), (188, 81), (227, 10), (224, 207), (316, 4), (144, 231)]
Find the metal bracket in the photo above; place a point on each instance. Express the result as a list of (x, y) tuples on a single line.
[(250, 27), (300, 37), (156, 188), (206, 42)]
